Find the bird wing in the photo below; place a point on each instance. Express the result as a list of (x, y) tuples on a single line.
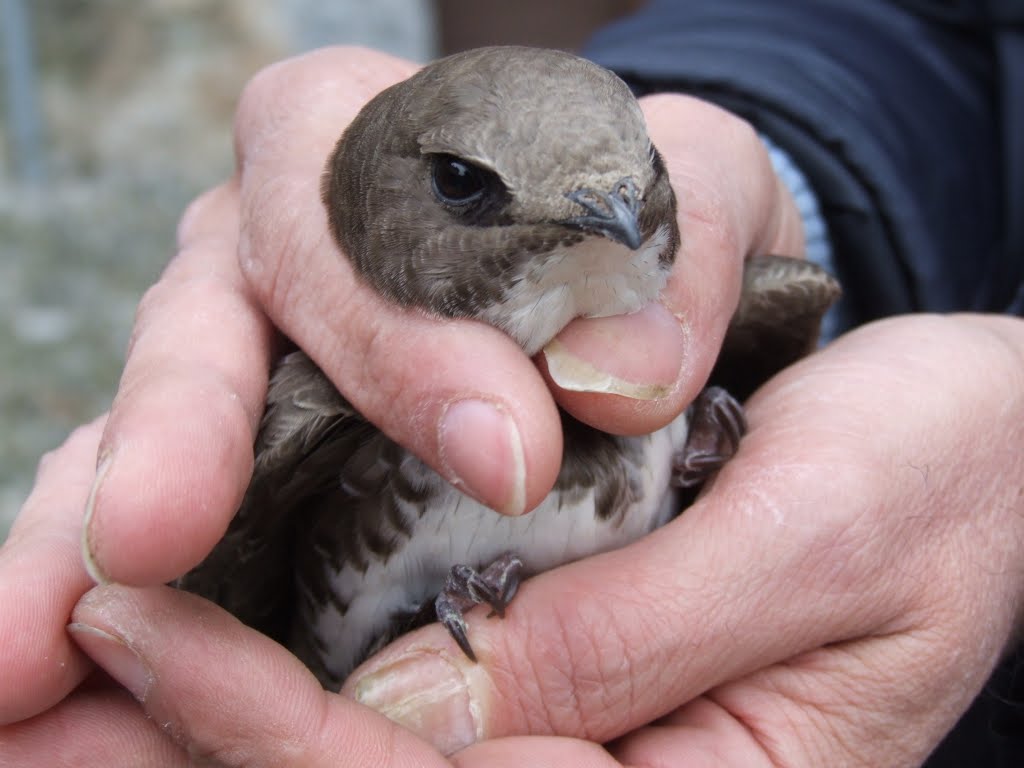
[(777, 321), (308, 433)]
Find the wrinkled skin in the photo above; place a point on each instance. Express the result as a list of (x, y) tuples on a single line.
[(837, 597)]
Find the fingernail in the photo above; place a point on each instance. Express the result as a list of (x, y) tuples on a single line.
[(638, 356), (482, 454), (115, 656), (427, 694), (92, 567)]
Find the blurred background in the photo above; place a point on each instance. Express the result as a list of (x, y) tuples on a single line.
[(115, 114)]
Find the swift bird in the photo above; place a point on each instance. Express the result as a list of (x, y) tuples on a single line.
[(517, 187)]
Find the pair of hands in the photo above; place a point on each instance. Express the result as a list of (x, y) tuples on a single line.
[(838, 597)]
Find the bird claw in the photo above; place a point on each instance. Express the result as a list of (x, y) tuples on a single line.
[(465, 587), (717, 423)]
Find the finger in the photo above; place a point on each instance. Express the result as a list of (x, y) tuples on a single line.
[(874, 701), (228, 694), (232, 697), (459, 394), (701, 734), (41, 578), (634, 374), (177, 450), (91, 729), (766, 720), (536, 752), (877, 701)]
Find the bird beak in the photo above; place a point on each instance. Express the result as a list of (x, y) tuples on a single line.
[(610, 214)]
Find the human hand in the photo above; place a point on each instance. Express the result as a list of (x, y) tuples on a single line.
[(838, 597), (176, 451), (286, 271), (225, 694)]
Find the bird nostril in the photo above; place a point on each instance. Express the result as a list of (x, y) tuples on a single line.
[(597, 204), (627, 191)]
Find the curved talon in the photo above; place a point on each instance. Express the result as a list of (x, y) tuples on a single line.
[(717, 422), (449, 613), (495, 586)]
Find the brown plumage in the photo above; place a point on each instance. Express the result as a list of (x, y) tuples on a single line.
[(517, 187)]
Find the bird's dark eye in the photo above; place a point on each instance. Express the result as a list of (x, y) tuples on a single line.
[(457, 182)]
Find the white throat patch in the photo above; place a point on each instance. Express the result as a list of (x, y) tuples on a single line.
[(594, 278)]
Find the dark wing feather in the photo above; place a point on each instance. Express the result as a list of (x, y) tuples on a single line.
[(308, 432), (777, 322)]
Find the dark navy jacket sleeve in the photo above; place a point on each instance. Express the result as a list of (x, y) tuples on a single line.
[(897, 113)]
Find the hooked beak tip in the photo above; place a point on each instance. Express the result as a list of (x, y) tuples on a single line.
[(613, 215)]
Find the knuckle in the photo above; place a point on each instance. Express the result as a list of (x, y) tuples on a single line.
[(271, 97), (276, 244), (181, 306), (711, 214), (368, 354), (575, 677), (83, 440), (194, 216), (328, 84), (252, 111), (150, 308), (536, 681), (743, 135), (204, 215)]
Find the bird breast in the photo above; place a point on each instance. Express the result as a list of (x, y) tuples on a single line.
[(454, 528)]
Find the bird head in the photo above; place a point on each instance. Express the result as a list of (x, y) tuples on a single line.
[(516, 186)]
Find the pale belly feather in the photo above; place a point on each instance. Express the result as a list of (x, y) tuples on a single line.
[(458, 529)]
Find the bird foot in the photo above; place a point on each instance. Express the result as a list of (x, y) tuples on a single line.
[(717, 423), (465, 587)]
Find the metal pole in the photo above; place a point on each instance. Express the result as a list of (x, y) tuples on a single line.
[(23, 114)]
